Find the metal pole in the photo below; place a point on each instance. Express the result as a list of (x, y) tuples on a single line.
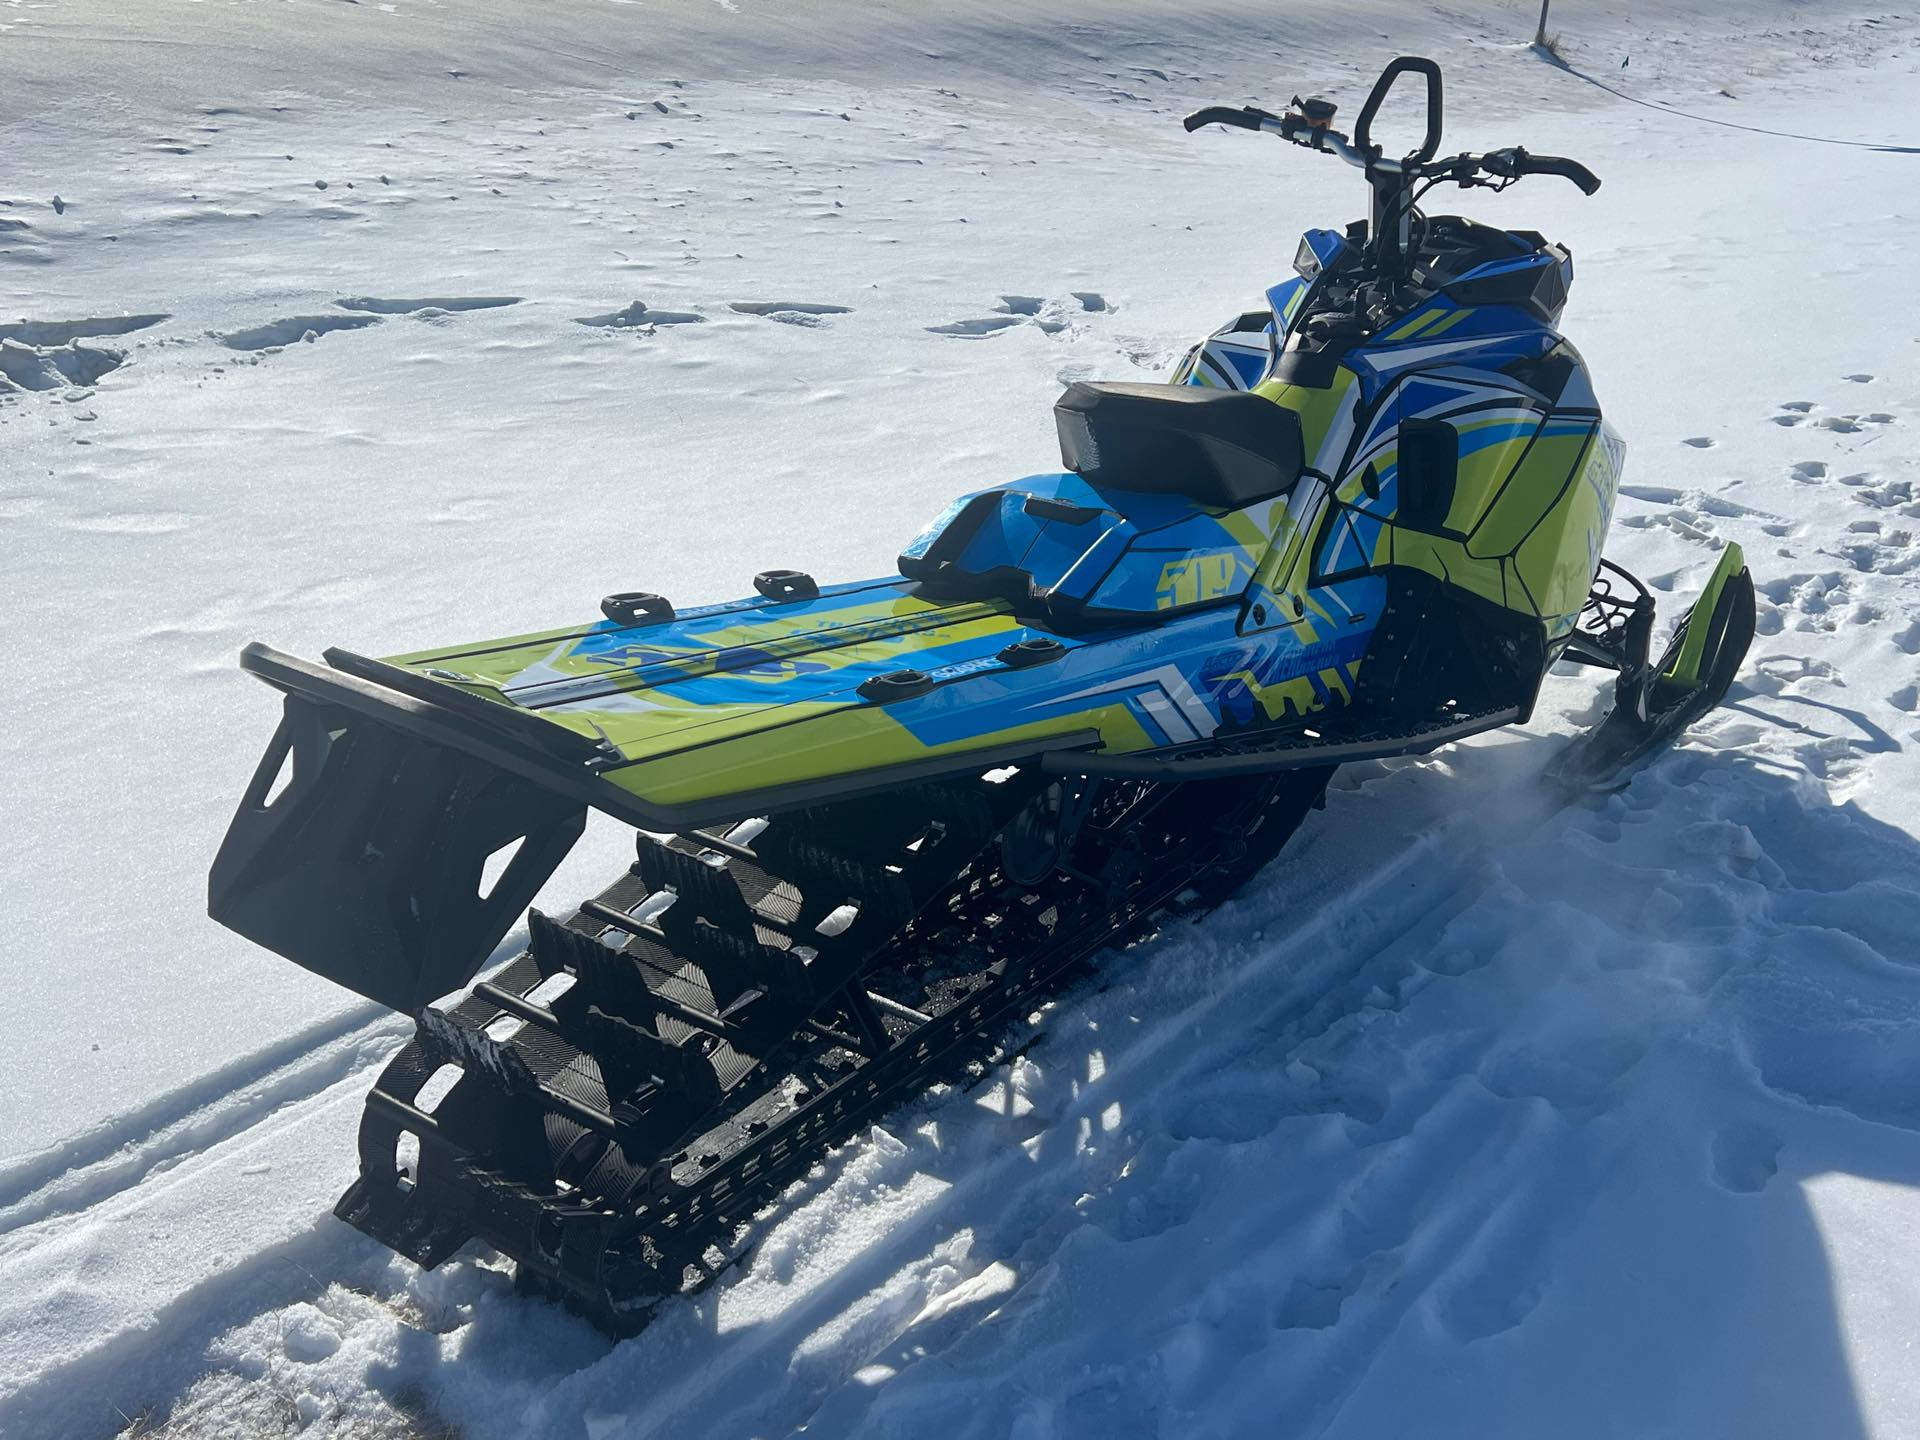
[(1540, 35)]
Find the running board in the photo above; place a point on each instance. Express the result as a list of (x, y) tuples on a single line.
[(1296, 750)]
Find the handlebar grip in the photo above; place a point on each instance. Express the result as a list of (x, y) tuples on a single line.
[(1515, 162), (1246, 118), (1558, 165)]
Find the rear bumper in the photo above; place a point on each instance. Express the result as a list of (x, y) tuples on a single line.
[(359, 848)]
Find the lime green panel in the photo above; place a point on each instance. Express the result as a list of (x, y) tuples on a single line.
[(1317, 409), (1536, 485), (1279, 699), (1482, 473), (1557, 561), (1448, 559), (1353, 490)]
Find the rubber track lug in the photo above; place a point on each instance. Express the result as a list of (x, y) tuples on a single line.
[(701, 891), (955, 819), (606, 978), (508, 1127), (827, 880)]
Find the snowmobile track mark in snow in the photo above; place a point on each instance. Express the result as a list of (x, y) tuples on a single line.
[(225, 1107)]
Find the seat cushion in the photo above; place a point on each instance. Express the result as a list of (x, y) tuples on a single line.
[(1219, 447)]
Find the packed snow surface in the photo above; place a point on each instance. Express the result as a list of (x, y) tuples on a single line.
[(391, 324)]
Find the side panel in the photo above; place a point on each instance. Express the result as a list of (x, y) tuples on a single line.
[(1557, 561), (1478, 482)]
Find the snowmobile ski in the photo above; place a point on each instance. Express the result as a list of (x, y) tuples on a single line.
[(1653, 703)]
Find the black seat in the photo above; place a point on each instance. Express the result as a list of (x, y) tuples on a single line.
[(1220, 447)]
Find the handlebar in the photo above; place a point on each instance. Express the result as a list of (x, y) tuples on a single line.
[(1301, 130), (1512, 163), (1397, 184)]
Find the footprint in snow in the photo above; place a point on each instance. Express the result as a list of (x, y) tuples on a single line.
[(1745, 1158), (1699, 442), (1809, 471), (1860, 379), (62, 332), (789, 312), (1583, 1074), (638, 317), (309, 1336), (277, 333), (973, 329), (1307, 1306), (32, 367), (373, 305), (1051, 317)]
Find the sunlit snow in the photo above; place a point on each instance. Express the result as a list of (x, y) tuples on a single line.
[(384, 325)]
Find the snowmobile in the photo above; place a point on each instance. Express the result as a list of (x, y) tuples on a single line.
[(876, 821)]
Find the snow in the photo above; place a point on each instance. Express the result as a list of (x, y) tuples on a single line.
[(378, 325)]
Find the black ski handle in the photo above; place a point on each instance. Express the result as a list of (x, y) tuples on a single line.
[(1516, 162), (1245, 118)]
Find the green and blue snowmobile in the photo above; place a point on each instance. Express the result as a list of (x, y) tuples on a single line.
[(877, 820)]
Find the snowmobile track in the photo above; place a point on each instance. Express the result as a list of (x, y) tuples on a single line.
[(1375, 934), (945, 991)]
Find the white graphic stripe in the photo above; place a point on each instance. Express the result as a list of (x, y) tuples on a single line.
[(1167, 717)]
